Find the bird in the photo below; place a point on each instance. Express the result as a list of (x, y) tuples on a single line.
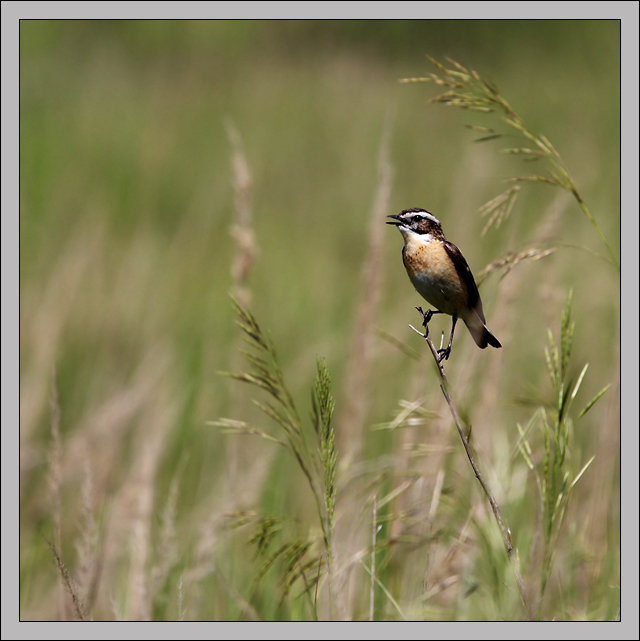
[(441, 275)]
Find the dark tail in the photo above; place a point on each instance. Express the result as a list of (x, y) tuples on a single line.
[(481, 335)]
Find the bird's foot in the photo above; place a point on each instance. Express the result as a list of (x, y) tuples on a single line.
[(443, 354), (426, 316)]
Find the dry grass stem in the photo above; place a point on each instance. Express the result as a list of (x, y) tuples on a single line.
[(69, 584), (355, 394), (467, 89), (374, 532), (506, 533), (87, 546), (55, 478), (242, 229), (181, 611)]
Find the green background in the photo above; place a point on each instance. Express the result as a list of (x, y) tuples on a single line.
[(126, 207)]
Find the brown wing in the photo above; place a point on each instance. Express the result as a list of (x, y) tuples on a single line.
[(467, 277)]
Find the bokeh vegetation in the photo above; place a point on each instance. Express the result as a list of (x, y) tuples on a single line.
[(128, 195)]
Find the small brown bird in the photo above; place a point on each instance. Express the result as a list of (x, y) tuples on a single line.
[(441, 275)]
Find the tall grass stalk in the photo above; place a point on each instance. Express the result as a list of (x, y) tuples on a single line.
[(374, 532), (464, 437), (242, 228), (352, 417), (87, 545), (244, 257), (55, 481), (317, 464), (69, 584), (554, 481), (467, 89)]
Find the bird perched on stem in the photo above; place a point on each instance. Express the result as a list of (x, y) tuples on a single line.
[(441, 275)]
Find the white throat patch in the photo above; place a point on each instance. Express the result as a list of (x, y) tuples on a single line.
[(410, 233)]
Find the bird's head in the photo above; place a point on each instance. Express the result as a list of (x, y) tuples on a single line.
[(416, 220)]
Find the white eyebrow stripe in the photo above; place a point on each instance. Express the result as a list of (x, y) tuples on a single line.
[(423, 213), (431, 217)]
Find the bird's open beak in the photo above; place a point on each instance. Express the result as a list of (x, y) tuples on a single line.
[(397, 217)]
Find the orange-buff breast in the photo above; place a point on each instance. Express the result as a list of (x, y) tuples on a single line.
[(434, 275)]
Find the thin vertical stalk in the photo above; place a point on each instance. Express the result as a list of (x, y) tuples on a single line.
[(504, 529)]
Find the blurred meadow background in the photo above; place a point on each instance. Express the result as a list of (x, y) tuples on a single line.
[(167, 164)]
